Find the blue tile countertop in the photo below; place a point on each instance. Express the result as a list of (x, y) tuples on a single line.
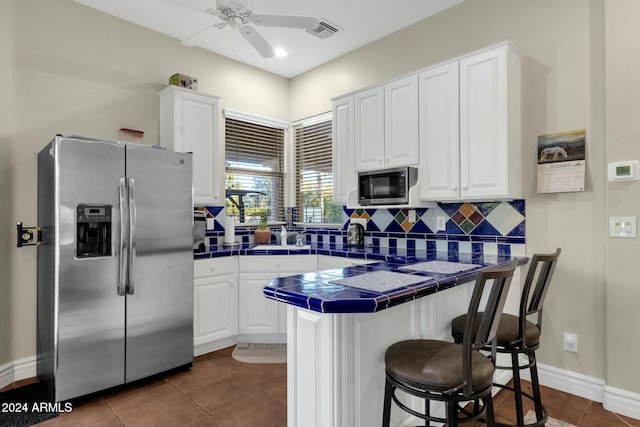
[(318, 291)]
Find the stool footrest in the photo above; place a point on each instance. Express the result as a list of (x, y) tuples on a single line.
[(537, 405)]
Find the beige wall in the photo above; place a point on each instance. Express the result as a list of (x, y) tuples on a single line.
[(623, 199), (7, 224), (79, 71), (562, 90)]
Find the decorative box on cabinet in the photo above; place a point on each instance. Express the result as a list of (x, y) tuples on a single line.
[(189, 123), (470, 127), (215, 322)]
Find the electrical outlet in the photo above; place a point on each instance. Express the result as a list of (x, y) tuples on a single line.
[(361, 221), (570, 342), (441, 223), (412, 216)]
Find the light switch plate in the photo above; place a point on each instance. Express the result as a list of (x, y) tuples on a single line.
[(622, 226)]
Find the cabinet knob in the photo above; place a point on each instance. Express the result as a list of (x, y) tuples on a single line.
[(212, 268)]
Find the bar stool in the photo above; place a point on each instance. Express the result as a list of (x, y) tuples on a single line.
[(448, 372), (516, 335)]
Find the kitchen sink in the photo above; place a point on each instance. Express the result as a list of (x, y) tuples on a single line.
[(275, 247)]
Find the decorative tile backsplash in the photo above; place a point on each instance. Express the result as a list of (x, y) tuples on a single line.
[(477, 228)]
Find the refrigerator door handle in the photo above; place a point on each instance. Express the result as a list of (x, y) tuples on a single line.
[(124, 250), (131, 284)]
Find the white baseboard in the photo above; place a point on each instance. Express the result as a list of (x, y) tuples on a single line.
[(621, 402), (18, 370), (613, 399), (205, 348)]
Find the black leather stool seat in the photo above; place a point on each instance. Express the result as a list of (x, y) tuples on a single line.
[(436, 365), (508, 334)]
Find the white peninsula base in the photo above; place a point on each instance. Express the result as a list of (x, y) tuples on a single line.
[(336, 371)]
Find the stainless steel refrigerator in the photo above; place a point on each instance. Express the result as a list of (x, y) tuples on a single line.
[(115, 266)]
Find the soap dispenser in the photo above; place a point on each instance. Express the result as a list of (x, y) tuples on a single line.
[(283, 236)]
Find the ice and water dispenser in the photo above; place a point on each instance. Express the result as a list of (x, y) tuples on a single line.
[(93, 237)]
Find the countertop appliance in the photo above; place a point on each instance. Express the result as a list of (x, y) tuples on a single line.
[(387, 186), (199, 231), (115, 267), (355, 235)]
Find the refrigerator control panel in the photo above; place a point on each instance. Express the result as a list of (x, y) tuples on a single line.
[(93, 237)]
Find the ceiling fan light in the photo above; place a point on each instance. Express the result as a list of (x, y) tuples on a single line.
[(280, 52)]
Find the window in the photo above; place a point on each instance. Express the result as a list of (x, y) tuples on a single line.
[(254, 170), (314, 183)]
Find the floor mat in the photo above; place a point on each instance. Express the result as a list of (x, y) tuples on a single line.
[(260, 353), (25, 406), (530, 417)]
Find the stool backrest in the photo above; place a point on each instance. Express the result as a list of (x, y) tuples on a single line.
[(490, 317), (532, 299)]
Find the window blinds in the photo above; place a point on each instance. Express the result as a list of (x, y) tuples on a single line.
[(254, 157), (314, 183)]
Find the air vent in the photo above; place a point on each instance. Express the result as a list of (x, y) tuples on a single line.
[(324, 30)]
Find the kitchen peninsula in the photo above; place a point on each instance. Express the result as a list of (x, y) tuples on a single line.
[(340, 322)]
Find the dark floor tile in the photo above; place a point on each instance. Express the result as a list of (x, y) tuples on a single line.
[(131, 400), (92, 413), (169, 412), (201, 374), (262, 411), (597, 416)]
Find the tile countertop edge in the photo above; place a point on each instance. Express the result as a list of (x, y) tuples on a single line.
[(363, 301)]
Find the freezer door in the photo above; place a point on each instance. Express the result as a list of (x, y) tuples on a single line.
[(159, 307), (90, 314)]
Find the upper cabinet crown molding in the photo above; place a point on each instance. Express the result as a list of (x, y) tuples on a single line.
[(189, 123)]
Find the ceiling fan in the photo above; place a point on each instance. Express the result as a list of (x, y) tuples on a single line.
[(237, 15)]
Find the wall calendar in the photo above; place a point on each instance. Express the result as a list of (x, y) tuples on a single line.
[(561, 162)]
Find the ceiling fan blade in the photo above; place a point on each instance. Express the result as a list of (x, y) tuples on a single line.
[(257, 41), (190, 41), (303, 22)]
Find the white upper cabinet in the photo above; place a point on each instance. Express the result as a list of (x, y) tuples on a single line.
[(487, 141), (386, 125), (189, 123), (369, 129), (401, 122), (439, 171), (343, 153)]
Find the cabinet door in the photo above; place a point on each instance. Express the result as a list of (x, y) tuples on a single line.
[(369, 129), (343, 154), (258, 314), (189, 123), (401, 122), (483, 125), (215, 314), (216, 302), (439, 133)]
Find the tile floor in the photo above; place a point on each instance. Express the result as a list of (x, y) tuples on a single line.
[(222, 392)]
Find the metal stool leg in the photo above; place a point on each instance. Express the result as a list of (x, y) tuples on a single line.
[(517, 388), (535, 385), (386, 411)]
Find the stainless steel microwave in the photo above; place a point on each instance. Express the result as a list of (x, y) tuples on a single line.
[(387, 186)]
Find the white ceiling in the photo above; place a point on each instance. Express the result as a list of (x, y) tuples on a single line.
[(360, 22)]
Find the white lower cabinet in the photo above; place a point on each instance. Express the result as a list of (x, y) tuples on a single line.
[(215, 323), (262, 319)]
